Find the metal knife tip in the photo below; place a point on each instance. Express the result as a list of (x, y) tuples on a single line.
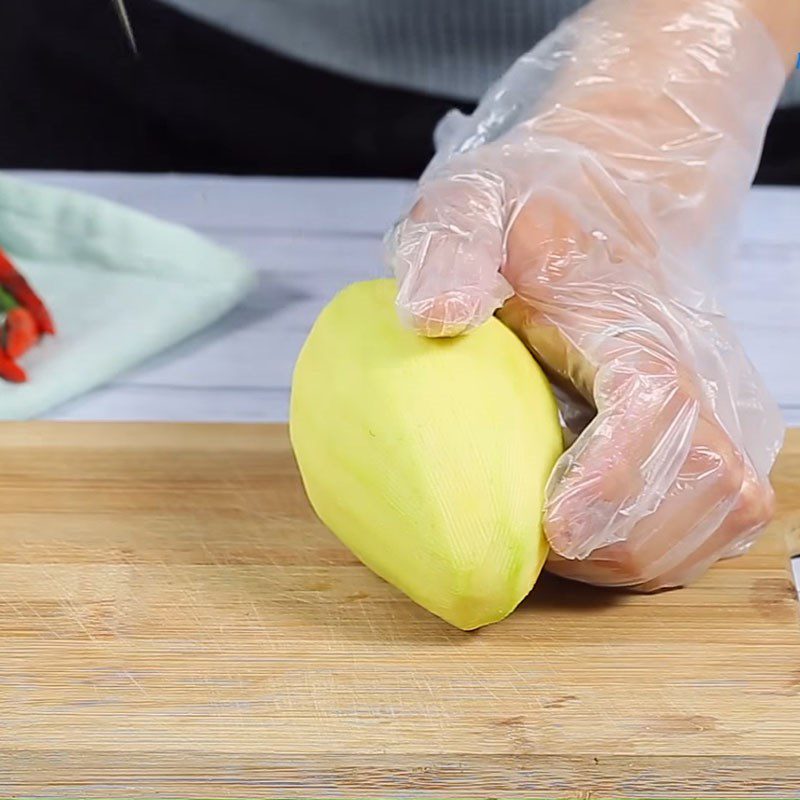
[(124, 19)]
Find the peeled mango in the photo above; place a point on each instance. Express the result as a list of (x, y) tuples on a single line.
[(428, 458)]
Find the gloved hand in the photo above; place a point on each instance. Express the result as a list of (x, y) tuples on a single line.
[(589, 199)]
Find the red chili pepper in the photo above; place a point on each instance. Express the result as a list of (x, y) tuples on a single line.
[(10, 370), (15, 283), (21, 332)]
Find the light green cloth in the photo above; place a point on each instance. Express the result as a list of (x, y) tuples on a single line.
[(121, 286)]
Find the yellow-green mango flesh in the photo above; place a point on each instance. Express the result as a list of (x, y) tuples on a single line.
[(428, 458)]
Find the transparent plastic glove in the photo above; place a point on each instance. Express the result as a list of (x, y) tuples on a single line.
[(590, 198)]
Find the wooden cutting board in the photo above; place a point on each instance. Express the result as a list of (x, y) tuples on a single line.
[(174, 622)]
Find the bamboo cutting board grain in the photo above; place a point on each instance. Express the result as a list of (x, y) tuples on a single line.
[(174, 622)]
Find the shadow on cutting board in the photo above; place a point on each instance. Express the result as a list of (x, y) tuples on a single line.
[(357, 606), (559, 594)]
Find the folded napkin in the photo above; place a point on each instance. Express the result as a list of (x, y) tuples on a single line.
[(120, 285)]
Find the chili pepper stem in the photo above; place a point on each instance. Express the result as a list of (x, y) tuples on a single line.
[(16, 285)]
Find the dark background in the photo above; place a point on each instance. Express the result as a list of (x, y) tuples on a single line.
[(73, 96)]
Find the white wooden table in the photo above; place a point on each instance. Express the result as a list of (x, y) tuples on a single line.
[(308, 238)]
